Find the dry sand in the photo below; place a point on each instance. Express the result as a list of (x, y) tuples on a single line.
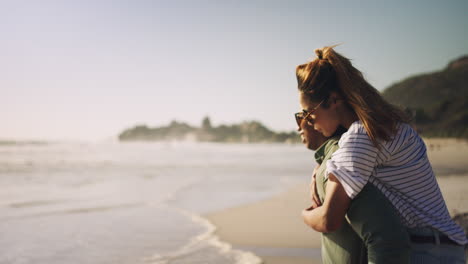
[(269, 226), (273, 228)]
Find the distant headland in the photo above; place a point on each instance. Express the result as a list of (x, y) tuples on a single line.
[(245, 132)]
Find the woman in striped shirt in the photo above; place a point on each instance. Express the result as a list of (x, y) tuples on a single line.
[(379, 147)]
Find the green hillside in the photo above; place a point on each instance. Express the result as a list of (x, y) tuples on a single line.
[(438, 100)]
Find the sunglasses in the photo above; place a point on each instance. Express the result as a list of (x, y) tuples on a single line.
[(305, 115)]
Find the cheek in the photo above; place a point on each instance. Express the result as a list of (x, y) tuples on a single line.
[(306, 133), (326, 124)]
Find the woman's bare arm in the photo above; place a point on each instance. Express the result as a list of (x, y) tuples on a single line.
[(329, 217)]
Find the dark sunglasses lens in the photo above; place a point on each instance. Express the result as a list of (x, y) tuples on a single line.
[(299, 118)]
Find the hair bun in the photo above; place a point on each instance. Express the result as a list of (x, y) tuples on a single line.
[(319, 53)]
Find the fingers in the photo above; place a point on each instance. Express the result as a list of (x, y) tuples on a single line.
[(314, 195), (314, 205), (313, 190), (315, 170), (316, 201)]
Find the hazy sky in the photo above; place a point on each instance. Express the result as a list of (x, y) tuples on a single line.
[(89, 69)]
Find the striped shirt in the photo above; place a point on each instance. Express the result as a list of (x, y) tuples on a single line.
[(400, 169)]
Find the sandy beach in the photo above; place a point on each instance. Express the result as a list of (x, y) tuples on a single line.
[(273, 228)]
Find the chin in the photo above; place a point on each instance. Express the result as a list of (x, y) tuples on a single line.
[(311, 146)]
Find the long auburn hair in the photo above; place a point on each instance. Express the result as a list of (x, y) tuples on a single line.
[(332, 72)]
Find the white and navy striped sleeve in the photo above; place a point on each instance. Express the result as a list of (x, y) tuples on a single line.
[(355, 161)]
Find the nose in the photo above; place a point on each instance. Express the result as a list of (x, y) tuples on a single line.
[(316, 127)]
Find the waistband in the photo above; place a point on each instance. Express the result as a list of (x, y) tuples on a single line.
[(420, 235)]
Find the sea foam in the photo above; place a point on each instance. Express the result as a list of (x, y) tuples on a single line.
[(202, 244)]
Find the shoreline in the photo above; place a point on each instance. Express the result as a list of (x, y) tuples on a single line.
[(273, 229)]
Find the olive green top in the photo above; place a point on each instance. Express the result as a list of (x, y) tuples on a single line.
[(322, 154), (372, 232)]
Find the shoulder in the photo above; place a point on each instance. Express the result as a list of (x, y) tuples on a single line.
[(404, 139), (324, 152), (356, 128), (406, 130), (356, 134), (332, 146)]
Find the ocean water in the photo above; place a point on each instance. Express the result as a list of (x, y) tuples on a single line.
[(134, 203)]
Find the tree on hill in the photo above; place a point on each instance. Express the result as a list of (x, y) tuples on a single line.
[(206, 124)]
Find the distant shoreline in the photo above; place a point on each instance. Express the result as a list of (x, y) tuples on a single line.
[(23, 142)]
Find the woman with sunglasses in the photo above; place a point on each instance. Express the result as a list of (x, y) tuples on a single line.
[(379, 148), (372, 230)]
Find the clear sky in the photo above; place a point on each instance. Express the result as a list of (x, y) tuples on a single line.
[(89, 69)]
